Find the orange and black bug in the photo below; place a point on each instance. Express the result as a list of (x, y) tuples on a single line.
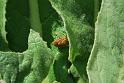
[(61, 42)]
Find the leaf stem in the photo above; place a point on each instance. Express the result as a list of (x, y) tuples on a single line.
[(35, 16)]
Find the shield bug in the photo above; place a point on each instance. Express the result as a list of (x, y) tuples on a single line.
[(61, 42)]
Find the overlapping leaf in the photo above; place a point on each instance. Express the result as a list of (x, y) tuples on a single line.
[(106, 60), (80, 33), (27, 67)]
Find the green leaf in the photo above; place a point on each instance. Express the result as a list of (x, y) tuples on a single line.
[(2, 18), (106, 61), (28, 67), (38, 58), (3, 41), (8, 66), (59, 69), (79, 32)]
